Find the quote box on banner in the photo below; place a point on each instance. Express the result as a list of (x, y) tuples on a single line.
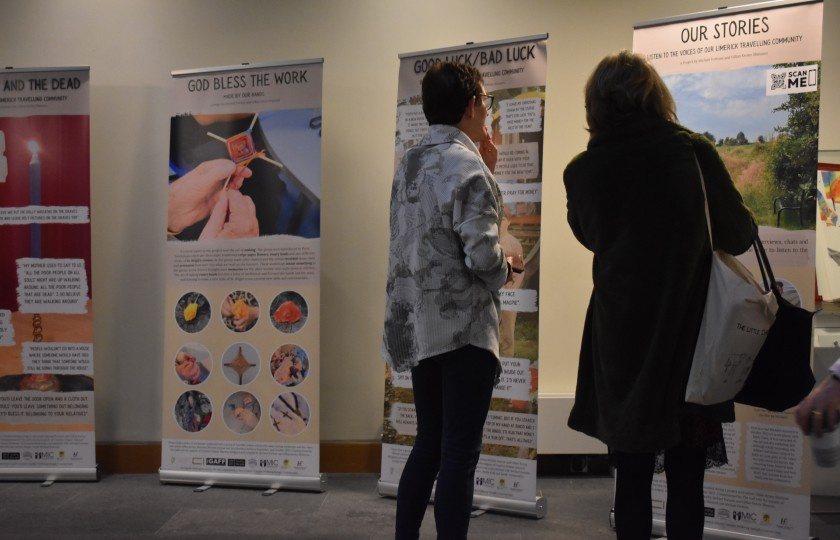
[(518, 161), (52, 285), (411, 122), (69, 215), (7, 331), (515, 380), (58, 358), (521, 115)]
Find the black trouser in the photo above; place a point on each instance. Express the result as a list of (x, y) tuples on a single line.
[(685, 469), (451, 397)]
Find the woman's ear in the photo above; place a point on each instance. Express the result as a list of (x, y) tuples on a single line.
[(469, 112)]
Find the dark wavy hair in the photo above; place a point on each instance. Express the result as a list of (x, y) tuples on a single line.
[(447, 89), (623, 86)]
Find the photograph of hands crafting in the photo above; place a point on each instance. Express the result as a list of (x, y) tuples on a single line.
[(430, 270), (260, 196)]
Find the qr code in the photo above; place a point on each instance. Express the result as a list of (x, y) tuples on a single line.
[(778, 81)]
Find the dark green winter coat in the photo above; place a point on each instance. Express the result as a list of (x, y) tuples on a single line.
[(635, 201)]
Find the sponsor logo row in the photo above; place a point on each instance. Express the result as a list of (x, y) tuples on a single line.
[(743, 516), (494, 483), (250, 463), (38, 456)]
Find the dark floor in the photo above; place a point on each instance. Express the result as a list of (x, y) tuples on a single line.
[(138, 506)]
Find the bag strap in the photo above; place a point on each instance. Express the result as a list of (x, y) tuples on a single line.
[(758, 248), (705, 202), (764, 265)]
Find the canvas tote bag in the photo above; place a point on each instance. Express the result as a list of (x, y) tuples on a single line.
[(736, 320)]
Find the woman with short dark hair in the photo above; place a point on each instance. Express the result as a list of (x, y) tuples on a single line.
[(442, 308)]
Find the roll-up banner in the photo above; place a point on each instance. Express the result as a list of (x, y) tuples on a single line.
[(748, 79), (46, 332), (242, 317), (514, 72)]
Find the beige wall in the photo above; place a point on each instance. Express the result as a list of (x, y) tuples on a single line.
[(132, 45)]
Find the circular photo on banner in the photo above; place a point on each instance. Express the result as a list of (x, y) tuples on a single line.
[(290, 413), (288, 312), (289, 365), (193, 411), (242, 412), (193, 363), (240, 311), (192, 312), (241, 363)]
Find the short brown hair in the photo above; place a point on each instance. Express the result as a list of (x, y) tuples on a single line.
[(624, 85), (447, 89)]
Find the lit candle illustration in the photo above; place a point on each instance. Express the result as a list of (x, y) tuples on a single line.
[(34, 199), (35, 228)]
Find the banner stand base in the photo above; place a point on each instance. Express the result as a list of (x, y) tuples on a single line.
[(714, 534), (270, 483), (49, 476), (536, 509)]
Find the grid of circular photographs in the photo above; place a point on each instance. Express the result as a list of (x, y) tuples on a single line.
[(289, 364)]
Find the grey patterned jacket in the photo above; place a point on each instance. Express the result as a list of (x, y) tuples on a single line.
[(445, 265)]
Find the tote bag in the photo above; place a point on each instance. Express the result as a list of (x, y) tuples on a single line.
[(736, 320)]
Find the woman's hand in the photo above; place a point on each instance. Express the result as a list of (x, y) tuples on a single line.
[(233, 216), (193, 196), (489, 152)]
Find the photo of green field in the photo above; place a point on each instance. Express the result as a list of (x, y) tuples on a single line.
[(768, 143)]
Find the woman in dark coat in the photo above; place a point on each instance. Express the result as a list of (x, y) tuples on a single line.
[(635, 200)]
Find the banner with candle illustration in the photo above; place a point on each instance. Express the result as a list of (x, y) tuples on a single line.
[(242, 320), (514, 73), (46, 344), (748, 79)]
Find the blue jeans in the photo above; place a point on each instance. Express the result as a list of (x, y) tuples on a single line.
[(451, 396)]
